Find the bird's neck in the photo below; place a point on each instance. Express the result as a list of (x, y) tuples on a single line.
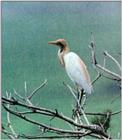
[(61, 53)]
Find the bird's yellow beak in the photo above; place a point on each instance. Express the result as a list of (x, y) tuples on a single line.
[(52, 42)]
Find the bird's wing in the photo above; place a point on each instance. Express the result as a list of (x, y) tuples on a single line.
[(77, 71)]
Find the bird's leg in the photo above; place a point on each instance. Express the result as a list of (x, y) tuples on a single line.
[(78, 99), (81, 95), (82, 98)]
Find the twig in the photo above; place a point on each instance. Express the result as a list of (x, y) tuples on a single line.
[(95, 129), (8, 117), (14, 102), (40, 124), (98, 76), (78, 103), (100, 68), (35, 91), (70, 125), (108, 116), (8, 134), (113, 59), (103, 114), (104, 61), (25, 87), (22, 98), (112, 74), (57, 137)]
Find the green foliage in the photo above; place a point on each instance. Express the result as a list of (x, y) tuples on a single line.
[(103, 120)]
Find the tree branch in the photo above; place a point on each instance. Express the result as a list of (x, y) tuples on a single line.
[(34, 92), (94, 128), (113, 59), (8, 119), (102, 70)]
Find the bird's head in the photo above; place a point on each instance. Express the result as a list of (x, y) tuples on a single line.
[(60, 43)]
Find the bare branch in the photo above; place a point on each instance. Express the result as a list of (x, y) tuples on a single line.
[(57, 137), (112, 74), (35, 91), (113, 59), (94, 128), (25, 87), (8, 134), (22, 98), (80, 107), (98, 76), (103, 114), (8, 119), (103, 71)]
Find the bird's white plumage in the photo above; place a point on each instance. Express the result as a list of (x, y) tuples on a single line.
[(77, 71)]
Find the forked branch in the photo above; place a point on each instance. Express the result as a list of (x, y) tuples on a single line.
[(102, 70)]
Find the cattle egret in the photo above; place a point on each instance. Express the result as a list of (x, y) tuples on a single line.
[(74, 66)]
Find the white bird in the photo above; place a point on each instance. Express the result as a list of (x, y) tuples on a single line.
[(74, 66)]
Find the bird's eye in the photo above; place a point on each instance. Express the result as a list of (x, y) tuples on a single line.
[(60, 44)]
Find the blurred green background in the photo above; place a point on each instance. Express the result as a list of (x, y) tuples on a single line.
[(26, 56)]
